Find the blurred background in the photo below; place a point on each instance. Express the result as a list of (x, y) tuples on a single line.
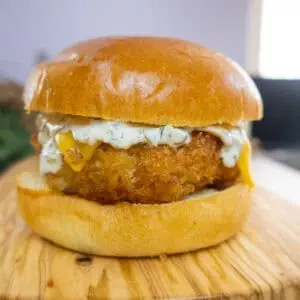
[(261, 35)]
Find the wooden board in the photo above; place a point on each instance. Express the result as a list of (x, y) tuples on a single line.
[(262, 262)]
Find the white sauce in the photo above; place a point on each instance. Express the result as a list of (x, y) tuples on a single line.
[(50, 158), (203, 193), (122, 136), (233, 140)]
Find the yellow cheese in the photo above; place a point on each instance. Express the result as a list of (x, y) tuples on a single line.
[(244, 164), (75, 154)]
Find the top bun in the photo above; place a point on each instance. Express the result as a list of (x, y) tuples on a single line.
[(145, 80)]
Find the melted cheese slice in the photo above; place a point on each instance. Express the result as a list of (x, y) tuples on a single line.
[(244, 164), (76, 154)]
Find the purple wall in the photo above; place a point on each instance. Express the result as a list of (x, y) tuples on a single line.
[(27, 27)]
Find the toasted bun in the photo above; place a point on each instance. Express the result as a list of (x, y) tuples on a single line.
[(146, 80), (128, 229)]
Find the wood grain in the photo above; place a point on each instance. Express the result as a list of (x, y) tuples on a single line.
[(262, 262)]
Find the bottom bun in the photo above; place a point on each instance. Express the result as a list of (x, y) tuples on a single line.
[(127, 229)]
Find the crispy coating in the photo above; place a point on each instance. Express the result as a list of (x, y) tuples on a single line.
[(145, 174)]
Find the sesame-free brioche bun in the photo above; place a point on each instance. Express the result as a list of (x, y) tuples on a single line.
[(145, 80), (132, 230)]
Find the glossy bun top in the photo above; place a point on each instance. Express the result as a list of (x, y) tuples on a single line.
[(145, 80)]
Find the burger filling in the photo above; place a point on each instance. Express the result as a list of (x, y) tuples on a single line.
[(111, 161)]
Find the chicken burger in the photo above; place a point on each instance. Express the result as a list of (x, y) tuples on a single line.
[(141, 144)]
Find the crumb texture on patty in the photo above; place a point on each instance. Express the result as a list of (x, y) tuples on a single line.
[(145, 174)]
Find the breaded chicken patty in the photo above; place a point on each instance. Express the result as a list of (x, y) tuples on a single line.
[(147, 174)]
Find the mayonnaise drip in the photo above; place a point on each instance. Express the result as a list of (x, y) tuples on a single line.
[(50, 157), (124, 135), (233, 140)]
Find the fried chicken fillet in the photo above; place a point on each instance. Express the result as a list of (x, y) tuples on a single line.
[(145, 174)]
